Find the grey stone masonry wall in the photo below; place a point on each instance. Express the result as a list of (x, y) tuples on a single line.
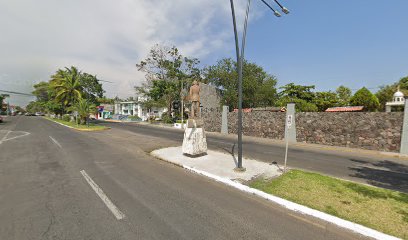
[(259, 124), (375, 131), (212, 119)]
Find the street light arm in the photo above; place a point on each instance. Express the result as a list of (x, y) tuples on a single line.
[(285, 10), (273, 10)]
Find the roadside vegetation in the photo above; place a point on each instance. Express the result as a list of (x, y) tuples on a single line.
[(168, 74), (380, 209), (92, 126), (68, 91)]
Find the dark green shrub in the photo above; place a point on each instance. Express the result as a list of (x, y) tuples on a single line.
[(66, 117)]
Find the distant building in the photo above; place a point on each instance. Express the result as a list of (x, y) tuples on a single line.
[(398, 100), (135, 108), (105, 111), (346, 109)]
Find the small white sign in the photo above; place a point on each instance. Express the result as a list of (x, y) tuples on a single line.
[(289, 121)]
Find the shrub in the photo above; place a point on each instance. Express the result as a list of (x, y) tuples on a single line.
[(167, 119), (66, 117), (134, 118)]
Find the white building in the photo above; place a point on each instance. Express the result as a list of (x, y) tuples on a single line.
[(398, 100), (135, 108)]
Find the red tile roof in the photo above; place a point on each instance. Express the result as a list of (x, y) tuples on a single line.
[(345, 109)]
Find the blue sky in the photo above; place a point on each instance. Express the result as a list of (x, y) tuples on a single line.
[(329, 43), (324, 43)]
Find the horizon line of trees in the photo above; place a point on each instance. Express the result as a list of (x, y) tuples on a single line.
[(168, 74)]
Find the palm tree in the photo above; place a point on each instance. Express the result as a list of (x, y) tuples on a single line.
[(67, 86), (83, 108)]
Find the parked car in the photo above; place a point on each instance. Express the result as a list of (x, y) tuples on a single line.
[(1, 119), (29, 114), (39, 114)]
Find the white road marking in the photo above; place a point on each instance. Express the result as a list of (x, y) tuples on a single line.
[(56, 142), (5, 136), (118, 214), (4, 139)]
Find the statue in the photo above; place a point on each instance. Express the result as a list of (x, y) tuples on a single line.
[(194, 97), (194, 142)]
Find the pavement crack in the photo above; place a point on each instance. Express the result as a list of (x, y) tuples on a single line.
[(51, 218)]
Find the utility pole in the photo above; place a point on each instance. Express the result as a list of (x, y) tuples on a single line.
[(240, 62)]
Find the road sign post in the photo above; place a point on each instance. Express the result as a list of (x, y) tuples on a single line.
[(289, 121)]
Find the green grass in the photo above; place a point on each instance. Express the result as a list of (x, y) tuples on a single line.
[(92, 126), (380, 209)]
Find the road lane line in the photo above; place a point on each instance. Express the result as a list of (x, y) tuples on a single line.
[(56, 142), (116, 212), (5, 136)]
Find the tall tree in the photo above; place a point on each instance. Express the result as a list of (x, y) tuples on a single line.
[(259, 87), (294, 91), (166, 73), (325, 100), (67, 86), (343, 95), (364, 97), (302, 96)]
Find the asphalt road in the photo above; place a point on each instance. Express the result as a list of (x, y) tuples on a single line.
[(44, 193), (377, 170)]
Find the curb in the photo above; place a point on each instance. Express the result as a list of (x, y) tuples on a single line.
[(292, 206), (61, 124), (82, 130)]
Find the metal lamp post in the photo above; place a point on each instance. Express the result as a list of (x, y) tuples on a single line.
[(240, 60)]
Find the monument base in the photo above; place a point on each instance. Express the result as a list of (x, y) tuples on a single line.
[(195, 142)]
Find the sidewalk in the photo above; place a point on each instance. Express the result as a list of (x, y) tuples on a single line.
[(220, 167), (219, 164)]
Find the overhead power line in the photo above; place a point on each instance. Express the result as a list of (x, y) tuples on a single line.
[(18, 93)]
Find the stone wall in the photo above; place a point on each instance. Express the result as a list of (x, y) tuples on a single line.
[(374, 131), (212, 119), (259, 124), (210, 96)]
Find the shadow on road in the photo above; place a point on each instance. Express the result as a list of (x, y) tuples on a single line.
[(385, 174)]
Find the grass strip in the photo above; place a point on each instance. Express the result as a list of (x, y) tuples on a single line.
[(92, 126), (376, 208)]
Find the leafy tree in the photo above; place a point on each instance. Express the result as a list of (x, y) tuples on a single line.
[(91, 87), (35, 106), (385, 94), (2, 97), (343, 95), (258, 87), (41, 90), (105, 100), (302, 96), (364, 97), (300, 104), (83, 108), (20, 109), (67, 86), (166, 71), (325, 100), (294, 91)]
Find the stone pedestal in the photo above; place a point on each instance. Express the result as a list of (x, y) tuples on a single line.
[(195, 142)]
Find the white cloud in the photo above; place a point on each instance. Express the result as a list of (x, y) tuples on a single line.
[(105, 37)]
